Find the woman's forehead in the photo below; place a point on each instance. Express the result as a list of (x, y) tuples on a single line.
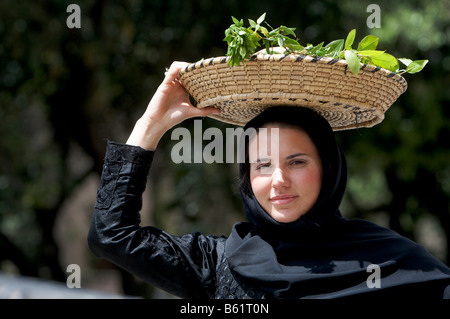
[(274, 139)]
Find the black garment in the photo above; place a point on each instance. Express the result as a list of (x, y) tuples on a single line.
[(190, 266), (322, 254), (338, 265)]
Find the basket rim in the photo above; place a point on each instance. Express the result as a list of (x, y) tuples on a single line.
[(290, 58), (391, 81)]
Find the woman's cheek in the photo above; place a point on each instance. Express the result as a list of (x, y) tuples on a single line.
[(260, 186)]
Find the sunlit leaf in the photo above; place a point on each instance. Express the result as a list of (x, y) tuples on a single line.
[(350, 39), (261, 18), (280, 41), (385, 61), (315, 49), (264, 31), (293, 45), (334, 48), (288, 31), (370, 52), (369, 42), (352, 61), (405, 61), (416, 66)]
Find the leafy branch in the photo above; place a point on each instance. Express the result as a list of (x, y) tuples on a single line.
[(243, 42)]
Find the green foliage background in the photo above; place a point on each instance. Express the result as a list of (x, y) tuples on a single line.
[(63, 92)]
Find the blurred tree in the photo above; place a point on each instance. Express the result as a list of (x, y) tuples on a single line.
[(64, 91)]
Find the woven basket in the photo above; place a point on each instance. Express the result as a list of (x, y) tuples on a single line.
[(325, 85)]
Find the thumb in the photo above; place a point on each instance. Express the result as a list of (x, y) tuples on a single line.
[(195, 111)]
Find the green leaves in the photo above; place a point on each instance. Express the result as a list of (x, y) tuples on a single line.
[(366, 53), (350, 39), (243, 42), (385, 61), (369, 42), (334, 48), (413, 66), (352, 61)]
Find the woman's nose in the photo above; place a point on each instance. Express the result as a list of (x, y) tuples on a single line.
[(279, 178)]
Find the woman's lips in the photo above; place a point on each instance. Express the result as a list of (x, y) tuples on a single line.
[(283, 199)]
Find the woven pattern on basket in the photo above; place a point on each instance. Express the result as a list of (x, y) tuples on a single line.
[(324, 84)]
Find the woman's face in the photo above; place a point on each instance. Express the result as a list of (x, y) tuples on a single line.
[(285, 171)]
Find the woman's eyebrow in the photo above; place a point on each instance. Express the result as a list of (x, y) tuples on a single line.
[(268, 159), (295, 155)]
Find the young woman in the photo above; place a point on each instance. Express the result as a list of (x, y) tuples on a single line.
[(294, 244)]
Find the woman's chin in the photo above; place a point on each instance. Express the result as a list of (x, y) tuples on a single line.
[(284, 216)]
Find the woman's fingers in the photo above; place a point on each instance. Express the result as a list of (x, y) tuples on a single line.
[(196, 112), (172, 73)]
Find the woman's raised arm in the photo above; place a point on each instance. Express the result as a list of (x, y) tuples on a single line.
[(169, 106)]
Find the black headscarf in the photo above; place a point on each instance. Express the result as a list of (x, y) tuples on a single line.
[(322, 254)]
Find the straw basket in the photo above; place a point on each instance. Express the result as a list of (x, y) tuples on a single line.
[(325, 85)]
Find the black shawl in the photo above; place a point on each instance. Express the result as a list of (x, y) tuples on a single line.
[(322, 254)]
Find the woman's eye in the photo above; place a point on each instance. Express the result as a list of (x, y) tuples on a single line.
[(262, 165), (298, 162)]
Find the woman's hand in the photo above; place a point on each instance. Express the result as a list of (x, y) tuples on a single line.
[(168, 107)]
